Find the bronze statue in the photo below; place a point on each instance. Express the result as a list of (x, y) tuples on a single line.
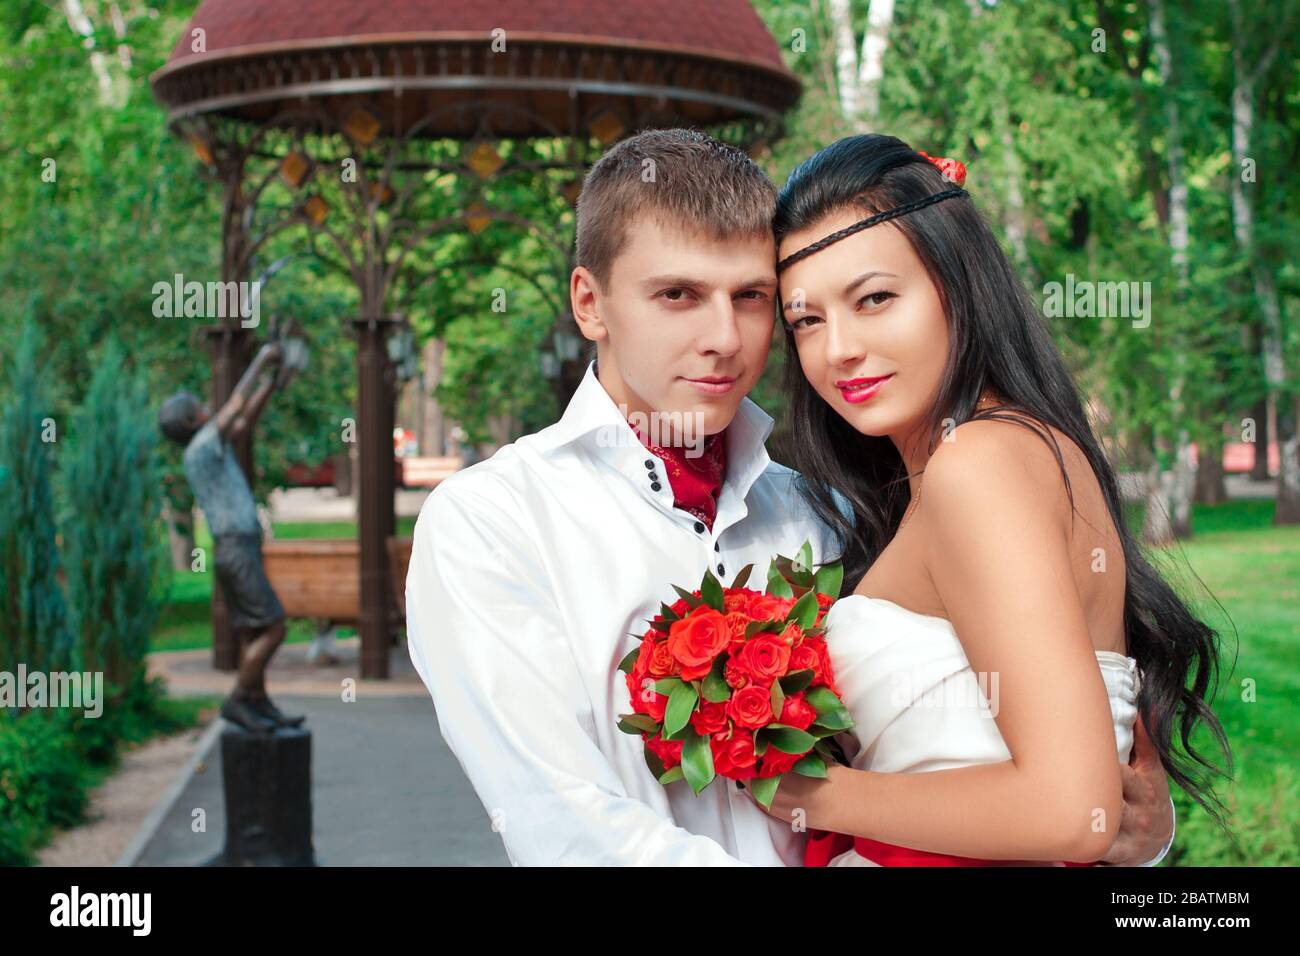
[(222, 492)]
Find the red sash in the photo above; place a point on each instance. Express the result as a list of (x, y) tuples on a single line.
[(823, 846)]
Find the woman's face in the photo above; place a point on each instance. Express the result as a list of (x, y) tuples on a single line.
[(868, 325)]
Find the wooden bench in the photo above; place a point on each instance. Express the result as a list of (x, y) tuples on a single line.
[(321, 577), (427, 471)]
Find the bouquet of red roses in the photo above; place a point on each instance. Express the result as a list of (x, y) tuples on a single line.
[(738, 682)]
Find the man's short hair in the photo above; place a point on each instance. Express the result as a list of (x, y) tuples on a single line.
[(681, 176), (177, 416)]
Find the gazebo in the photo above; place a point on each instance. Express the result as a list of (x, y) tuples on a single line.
[(340, 119)]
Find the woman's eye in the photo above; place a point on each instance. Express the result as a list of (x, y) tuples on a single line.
[(876, 299), (799, 323)]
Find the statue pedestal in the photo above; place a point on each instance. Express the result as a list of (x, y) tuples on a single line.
[(267, 784)]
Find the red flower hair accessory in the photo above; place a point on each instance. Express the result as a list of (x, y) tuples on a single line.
[(953, 170)]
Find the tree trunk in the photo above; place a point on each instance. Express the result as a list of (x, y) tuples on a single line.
[(1263, 435), (1210, 489), (871, 70), (1243, 225), (1181, 484)]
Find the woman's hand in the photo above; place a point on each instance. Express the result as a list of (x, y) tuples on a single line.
[(806, 801)]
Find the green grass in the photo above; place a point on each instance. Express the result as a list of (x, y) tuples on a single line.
[(1242, 576)]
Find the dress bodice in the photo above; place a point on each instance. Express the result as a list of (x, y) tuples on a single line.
[(917, 705)]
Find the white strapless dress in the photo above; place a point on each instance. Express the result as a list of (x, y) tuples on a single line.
[(917, 705)]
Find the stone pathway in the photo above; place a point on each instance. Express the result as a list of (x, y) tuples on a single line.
[(386, 790)]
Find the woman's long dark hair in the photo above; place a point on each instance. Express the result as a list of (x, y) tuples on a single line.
[(996, 341)]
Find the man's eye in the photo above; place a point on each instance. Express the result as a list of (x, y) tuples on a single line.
[(756, 295), (876, 299), (673, 295)]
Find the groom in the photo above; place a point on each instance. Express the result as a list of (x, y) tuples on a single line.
[(532, 571)]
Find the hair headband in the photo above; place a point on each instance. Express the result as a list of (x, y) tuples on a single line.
[(953, 170)]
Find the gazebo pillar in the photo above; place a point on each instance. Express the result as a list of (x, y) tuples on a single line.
[(376, 398)]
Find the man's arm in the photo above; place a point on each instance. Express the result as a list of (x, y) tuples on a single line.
[(1144, 822), (486, 637)]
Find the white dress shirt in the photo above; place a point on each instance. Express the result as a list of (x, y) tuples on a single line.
[(530, 574)]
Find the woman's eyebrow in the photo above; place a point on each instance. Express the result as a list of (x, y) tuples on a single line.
[(870, 274), (848, 289)]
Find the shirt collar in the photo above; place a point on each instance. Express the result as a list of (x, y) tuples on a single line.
[(593, 421)]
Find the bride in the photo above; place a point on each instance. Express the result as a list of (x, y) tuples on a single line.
[(1004, 630)]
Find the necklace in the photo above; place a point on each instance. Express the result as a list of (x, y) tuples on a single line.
[(986, 400)]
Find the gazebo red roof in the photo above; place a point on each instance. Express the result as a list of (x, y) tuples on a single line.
[(728, 29), (682, 60)]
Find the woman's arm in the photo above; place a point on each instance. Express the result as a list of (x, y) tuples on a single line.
[(995, 521)]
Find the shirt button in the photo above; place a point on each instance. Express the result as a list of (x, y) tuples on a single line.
[(717, 546), (721, 569), (649, 463), (655, 486), (653, 476), (699, 527)]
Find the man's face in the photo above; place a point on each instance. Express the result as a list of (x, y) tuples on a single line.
[(684, 323)]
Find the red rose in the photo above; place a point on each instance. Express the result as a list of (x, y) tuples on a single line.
[(751, 707), (736, 676), (645, 699), (824, 602), (793, 634), (697, 639), (769, 607), (805, 658), (669, 751), (710, 718), (733, 758), (661, 662), (777, 762), (827, 672), (737, 600), (797, 712), (764, 657), (736, 624)]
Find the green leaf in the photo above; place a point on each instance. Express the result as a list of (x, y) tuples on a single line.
[(668, 614), (666, 685), (629, 660), (637, 724), (796, 681), (764, 789), (805, 610), (716, 689), (811, 766), (790, 740), (654, 762), (739, 580), (691, 600), (777, 697), (818, 731), (823, 700), (758, 627), (697, 762), (804, 557), (830, 578), (711, 592), (672, 776), (776, 584), (680, 705), (835, 720)]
